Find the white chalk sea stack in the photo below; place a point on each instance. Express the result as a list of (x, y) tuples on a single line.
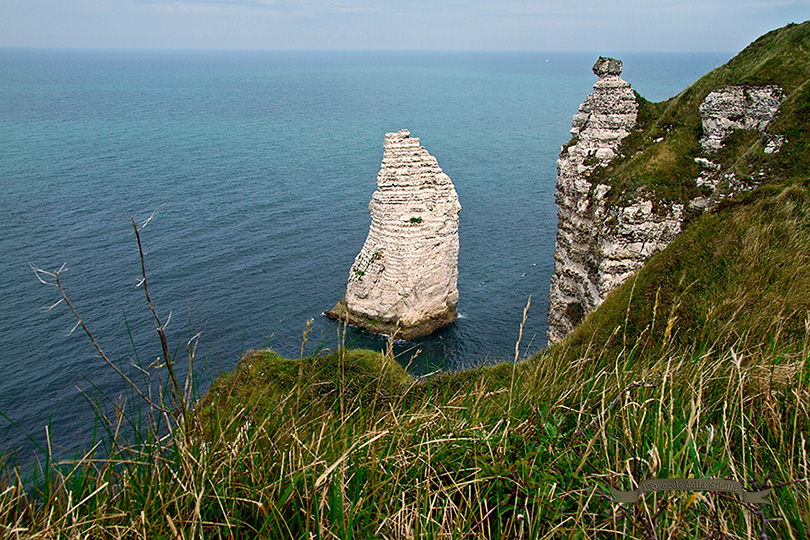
[(404, 280)]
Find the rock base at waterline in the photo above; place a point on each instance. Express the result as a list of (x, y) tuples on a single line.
[(389, 328)]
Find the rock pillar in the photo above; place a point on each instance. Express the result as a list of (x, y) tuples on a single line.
[(403, 281)]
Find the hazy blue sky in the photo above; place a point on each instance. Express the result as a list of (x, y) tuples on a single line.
[(592, 25)]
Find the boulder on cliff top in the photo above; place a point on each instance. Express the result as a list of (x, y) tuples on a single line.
[(607, 66)]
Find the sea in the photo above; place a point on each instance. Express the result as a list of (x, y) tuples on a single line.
[(252, 172)]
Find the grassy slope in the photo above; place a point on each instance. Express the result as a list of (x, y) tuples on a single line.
[(695, 368)]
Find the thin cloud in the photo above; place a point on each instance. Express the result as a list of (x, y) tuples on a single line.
[(270, 4), (434, 24), (328, 6)]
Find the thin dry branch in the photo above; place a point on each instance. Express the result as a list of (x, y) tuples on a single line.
[(178, 396), (79, 322)]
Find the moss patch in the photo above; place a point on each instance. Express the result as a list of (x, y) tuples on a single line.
[(263, 381)]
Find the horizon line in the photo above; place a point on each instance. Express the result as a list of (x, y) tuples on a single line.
[(323, 50)]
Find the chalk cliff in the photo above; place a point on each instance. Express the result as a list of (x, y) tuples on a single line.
[(600, 244), (602, 239), (403, 281)]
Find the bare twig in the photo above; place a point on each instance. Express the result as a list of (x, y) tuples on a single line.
[(178, 396), (55, 282)]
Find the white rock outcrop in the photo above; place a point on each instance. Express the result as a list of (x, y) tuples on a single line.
[(600, 244), (739, 107), (403, 281), (723, 111)]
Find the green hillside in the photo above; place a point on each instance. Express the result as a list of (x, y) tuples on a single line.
[(694, 368)]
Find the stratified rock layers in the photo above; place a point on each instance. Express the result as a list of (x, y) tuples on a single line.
[(598, 244), (403, 281), (737, 107)]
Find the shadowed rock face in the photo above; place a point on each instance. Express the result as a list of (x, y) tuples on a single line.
[(404, 279)]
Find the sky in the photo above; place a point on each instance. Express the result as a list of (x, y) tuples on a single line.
[(542, 25)]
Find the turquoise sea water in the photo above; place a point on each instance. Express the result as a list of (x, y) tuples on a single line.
[(261, 166)]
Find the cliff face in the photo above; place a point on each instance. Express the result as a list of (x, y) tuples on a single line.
[(599, 244), (404, 279), (602, 240)]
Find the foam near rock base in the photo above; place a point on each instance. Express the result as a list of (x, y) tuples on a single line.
[(404, 280)]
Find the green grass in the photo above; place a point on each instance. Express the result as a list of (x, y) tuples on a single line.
[(348, 446)]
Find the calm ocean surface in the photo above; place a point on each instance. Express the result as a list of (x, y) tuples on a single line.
[(261, 166)]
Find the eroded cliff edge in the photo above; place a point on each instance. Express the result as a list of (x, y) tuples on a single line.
[(404, 280), (612, 218), (599, 244)]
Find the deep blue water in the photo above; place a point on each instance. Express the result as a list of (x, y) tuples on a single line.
[(261, 166)]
